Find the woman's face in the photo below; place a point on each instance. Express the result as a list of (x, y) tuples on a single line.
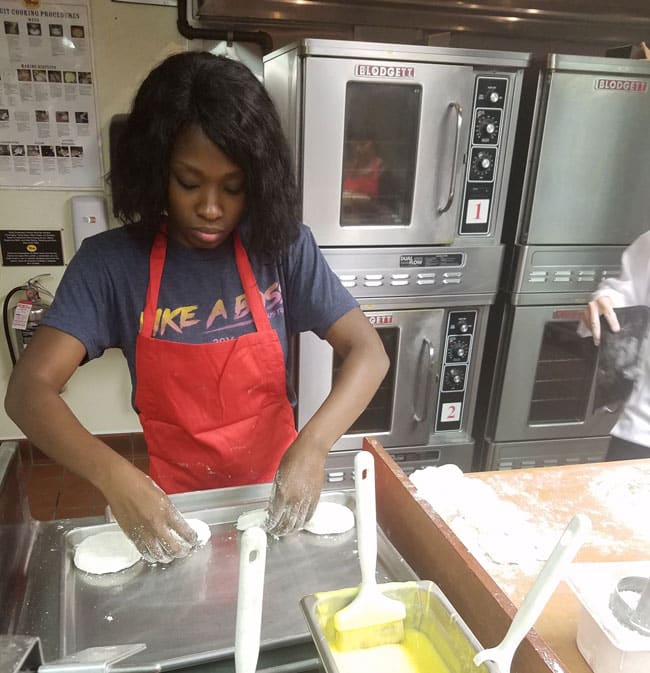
[(206, 196)]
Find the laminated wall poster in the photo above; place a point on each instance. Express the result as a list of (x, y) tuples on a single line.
[(49, 132)]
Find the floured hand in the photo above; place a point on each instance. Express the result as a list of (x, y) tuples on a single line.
[(148, 517), (296, 489)]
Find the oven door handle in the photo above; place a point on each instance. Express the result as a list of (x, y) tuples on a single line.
[(452, 183), (429, 352)]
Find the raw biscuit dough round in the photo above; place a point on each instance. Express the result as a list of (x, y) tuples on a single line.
[(254, 517), (108, 552), (330, 518), (112, 552), (203, 532)]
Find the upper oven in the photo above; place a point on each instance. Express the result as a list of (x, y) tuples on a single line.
[(398, 144)]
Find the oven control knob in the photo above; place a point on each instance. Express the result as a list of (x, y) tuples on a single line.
[(482, 165), (463, 327), (487, 128), (494, 97), (460, 353)]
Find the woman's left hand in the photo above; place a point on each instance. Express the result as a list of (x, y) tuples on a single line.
[(296, 488)]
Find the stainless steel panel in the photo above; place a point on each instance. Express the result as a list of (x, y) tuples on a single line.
[(406, 52), (478, 269), (185, 612), (545, 453), (590, 148), (563, 270)]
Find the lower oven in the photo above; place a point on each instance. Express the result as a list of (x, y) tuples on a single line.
[(542, 408), (433, 332)]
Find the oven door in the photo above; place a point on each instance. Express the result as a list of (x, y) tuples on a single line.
[(383, 156), (548, 388), (402, 412)]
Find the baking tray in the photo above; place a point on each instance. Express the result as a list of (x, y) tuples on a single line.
[(185, 612)]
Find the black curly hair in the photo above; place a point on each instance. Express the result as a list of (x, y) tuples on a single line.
[(227, 102)]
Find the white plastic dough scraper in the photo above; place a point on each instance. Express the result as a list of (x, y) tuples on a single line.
[(250, 592), (540, 593)]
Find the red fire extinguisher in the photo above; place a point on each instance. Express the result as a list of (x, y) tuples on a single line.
[(25, 316)]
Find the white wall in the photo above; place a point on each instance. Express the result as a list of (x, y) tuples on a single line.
[(129, 39)]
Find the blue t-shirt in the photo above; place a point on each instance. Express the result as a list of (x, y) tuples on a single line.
[(102, 293)]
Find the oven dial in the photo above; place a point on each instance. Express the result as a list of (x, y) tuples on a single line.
[(458, 348), (486, 131), (482, 165), (454, 378)]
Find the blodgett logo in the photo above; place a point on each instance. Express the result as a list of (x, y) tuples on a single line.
[(633, 85), (396, 71)]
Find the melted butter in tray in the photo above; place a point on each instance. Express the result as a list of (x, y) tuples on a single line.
[(415, 654)]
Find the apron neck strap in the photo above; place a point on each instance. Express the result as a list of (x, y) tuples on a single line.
[(246, 275)]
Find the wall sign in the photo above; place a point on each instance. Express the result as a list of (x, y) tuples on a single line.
[(33, 247), (49, 135)]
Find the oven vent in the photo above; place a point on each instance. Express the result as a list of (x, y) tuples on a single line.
[(590, 27)]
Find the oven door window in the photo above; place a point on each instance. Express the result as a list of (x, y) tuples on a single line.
[(379, 412), (564, 376), (380, 141)]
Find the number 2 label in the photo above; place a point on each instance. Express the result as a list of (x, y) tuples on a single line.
[(451, 411)]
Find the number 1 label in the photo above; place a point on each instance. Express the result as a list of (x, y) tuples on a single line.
[(477, 211)]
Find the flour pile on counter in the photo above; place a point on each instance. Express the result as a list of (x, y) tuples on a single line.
[(625, 493), (495, 531)]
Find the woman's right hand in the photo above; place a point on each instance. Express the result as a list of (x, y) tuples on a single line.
[(591, 317), (148, 517)]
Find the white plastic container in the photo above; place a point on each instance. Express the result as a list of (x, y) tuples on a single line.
[(607, 645)]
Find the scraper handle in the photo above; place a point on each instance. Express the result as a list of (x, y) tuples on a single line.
[(364, 485), (539, 594), (252, 563)]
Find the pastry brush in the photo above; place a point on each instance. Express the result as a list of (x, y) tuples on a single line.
[(371, 618)]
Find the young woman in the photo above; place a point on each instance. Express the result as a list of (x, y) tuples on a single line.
[(202, 289)]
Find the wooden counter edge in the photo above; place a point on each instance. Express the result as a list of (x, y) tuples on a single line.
[(407, 520)]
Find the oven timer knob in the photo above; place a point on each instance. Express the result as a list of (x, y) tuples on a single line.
[(453, 379), (482, 165), (487, 128)]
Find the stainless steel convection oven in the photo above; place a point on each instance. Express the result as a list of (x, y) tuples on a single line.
[(403, 155), (584, 198)]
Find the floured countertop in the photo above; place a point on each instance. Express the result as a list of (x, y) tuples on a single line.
[(510, 521)]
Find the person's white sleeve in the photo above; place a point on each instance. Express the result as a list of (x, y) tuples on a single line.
[(630, 288)]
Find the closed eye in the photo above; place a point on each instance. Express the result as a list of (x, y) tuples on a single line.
[(184, 184)]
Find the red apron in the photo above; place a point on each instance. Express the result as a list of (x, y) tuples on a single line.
[(213, 414)]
